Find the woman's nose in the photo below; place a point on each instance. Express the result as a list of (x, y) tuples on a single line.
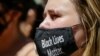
[(46, 23)]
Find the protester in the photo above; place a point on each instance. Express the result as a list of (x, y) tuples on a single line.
[(70, 28)]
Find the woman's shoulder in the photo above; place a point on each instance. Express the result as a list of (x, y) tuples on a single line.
[(28, 50)]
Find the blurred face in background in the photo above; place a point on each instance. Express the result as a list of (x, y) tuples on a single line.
[(62, 13), (26, 27), (7, 15), (31, 16)]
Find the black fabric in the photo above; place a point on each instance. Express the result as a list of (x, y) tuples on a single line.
[(55, 42)]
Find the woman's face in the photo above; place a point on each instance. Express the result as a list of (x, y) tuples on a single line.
[(62, 13)]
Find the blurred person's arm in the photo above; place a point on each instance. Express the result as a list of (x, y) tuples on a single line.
[(28, 50)]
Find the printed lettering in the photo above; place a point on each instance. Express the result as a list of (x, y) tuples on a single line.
[(46, 43)]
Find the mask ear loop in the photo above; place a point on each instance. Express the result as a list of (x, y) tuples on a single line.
[(75, 28), (83, 44)]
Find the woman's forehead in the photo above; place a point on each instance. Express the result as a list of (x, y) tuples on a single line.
[(59, 4)]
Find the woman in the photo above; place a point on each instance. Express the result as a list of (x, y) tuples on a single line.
[(70, 28)]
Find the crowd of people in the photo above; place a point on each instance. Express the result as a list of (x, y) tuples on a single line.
[(17, 18)]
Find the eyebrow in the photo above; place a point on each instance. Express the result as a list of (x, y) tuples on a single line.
[(48, 11), (52, 12)]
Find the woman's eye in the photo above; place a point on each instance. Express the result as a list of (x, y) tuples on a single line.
[(54, 17)]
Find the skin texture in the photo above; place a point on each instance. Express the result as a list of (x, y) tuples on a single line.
[(62, 13)]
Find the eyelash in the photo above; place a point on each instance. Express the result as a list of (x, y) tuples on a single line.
[(53, 16)]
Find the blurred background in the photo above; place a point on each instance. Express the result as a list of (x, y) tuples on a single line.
[(26, 7), (18, 22)]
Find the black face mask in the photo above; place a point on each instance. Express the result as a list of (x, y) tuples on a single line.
[(55, 42)]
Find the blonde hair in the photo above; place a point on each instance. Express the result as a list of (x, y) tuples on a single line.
[(89, 13)]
